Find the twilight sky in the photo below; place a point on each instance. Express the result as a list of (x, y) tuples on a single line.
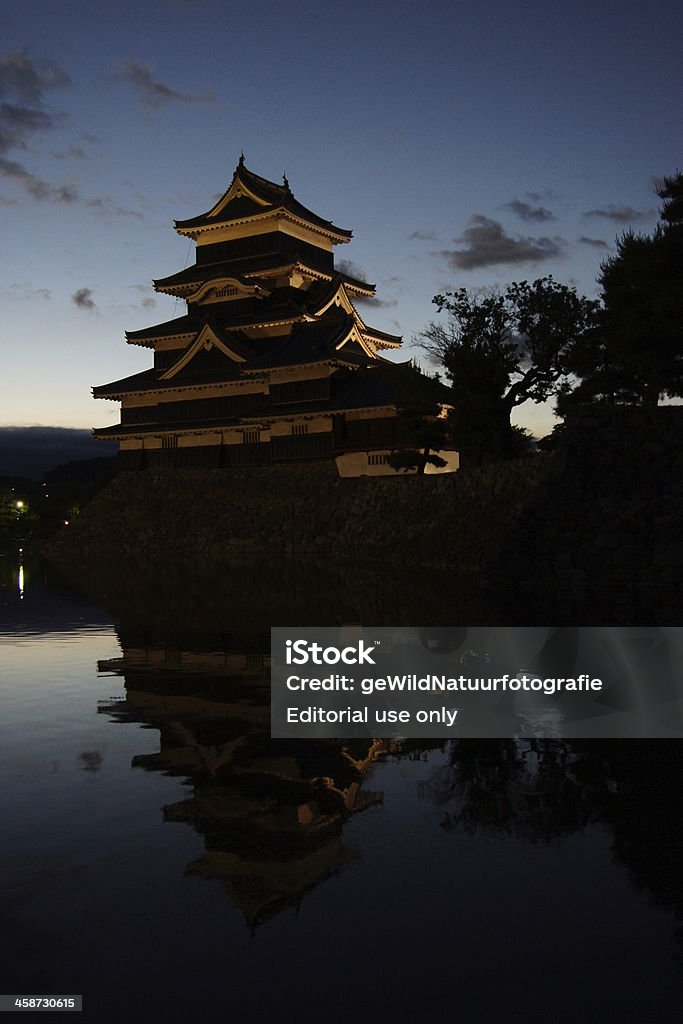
[(465, 143)]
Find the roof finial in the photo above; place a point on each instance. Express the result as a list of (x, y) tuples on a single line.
[(241, 163), (284, 180)]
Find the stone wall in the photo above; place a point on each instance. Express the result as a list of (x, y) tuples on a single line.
[(603, 510), (303, 510)]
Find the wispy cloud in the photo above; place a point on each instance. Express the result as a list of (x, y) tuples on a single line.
[(147, 302), (23, 115), (486, 244), (36, 187), (25, 292), (83, 300), (107, 206), (152, 91), (619, 214), (72, 153), (423, 236), (528, 212), (596, 243), (372, 300), (351, 269), (28, 80)]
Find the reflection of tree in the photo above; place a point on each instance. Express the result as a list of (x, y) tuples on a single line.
[(271, 812), (542, 789), (533, 788), (646, 816), (90, 761)]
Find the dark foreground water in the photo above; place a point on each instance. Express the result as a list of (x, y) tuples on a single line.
[(164, 857)]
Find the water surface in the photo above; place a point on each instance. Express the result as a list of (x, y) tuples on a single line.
[(167, 859)]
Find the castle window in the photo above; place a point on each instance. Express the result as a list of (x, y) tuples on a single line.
[(379, 459), (170, 441), (300, 428), (251, 436)]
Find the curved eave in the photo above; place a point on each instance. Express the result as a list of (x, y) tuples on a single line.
[(112, 434), (178, 290), (358, 288), (382, 340), (184, 289), (267, 370), (257, 325), (393, 362), (289, 268), (151, 342), (335, 234)]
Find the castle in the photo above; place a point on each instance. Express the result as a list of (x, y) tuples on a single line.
[(271, 361)]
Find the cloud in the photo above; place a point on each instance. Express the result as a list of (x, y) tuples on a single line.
[(23, 115), (423, 236), (536, 197), (487, 245), (528, 212), (152, 91), (28, 80), (619, 214), (147, 302), (372, 300), (597, 243), (142, 301), (72, 153), (18, 123), (351, 269), (107, 206), (25, 292), (36, 187), (84, 300)]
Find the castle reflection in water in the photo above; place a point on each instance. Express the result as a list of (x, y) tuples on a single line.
[(273, 813)]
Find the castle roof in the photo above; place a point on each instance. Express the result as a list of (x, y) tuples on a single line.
[(250, 195), (382, 385)]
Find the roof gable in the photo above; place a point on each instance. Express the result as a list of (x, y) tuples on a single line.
[(225, 289), (250, 195), (239, 190), (207, 339)]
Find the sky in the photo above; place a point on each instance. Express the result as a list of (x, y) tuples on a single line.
[(467, 144)]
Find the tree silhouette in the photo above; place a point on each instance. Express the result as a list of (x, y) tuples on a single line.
[(636, 356), (504, 348), (425, 432)]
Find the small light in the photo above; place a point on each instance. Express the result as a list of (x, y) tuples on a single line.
[(66, 522), (20, 504)]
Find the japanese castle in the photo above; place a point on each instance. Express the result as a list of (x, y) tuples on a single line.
[(271, 362)]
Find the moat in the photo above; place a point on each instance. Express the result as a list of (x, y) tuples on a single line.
[(164, 856)]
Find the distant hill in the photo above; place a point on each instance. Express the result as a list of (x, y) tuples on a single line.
[(33, 451)]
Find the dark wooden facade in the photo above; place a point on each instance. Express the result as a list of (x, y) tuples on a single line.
[(271, 361)]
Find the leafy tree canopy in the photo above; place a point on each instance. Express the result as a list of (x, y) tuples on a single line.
[(501, 349), (637, 355)]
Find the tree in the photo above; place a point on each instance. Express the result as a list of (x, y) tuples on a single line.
[(425, 431), (504, 348), (638, 355)]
